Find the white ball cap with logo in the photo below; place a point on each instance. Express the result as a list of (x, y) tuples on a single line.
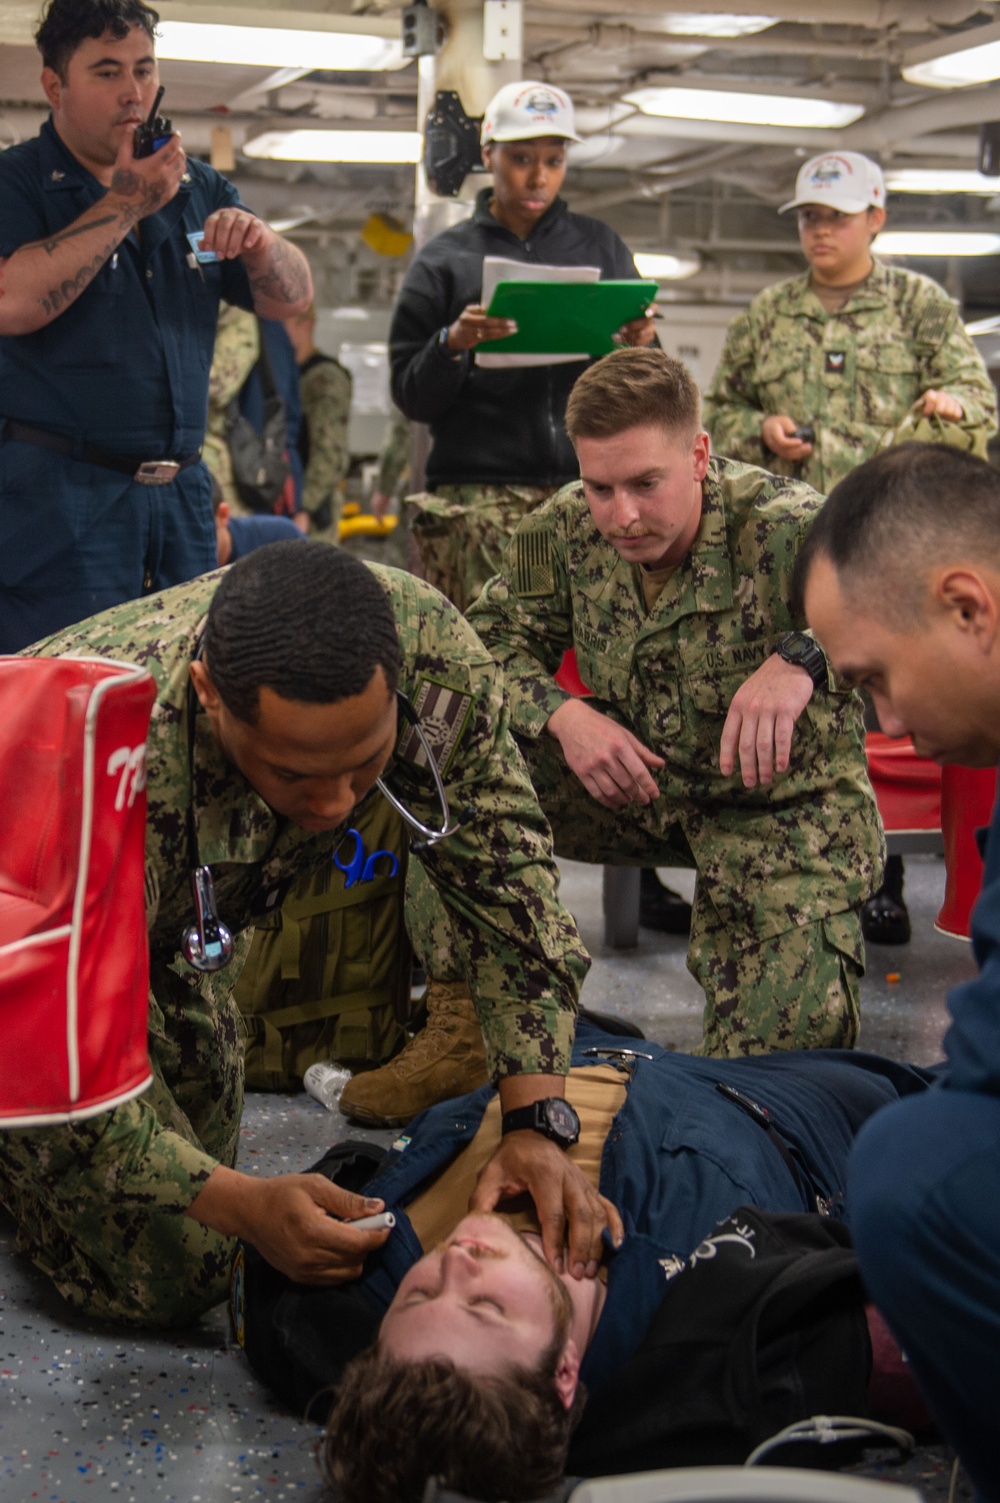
[(526, 110), (843, 179)]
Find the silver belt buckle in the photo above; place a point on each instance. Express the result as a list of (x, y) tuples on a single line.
[(617, 1052), (157, 472)]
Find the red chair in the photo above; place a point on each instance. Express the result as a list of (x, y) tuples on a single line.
[(74, 963), (926, 807), (967, 798)]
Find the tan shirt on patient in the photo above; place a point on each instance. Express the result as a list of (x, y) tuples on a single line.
[(598, 1094)]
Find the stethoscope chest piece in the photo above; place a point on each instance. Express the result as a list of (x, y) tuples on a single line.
[(207, 944)]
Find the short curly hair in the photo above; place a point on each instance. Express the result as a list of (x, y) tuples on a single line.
[(310, 622), (395, 1425), (67, 23)]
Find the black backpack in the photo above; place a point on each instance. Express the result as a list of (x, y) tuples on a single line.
[(763, 1327), (260, 468)]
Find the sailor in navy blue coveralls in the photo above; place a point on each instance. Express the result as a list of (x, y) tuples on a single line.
[(925, 1188), (124, 368)]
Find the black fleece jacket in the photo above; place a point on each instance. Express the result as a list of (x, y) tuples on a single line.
[(490, 427)]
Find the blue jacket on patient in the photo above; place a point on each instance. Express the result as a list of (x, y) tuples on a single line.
[(680, 1158)]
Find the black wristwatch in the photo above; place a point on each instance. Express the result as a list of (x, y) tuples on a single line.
[(795, 647), (554, 1118)]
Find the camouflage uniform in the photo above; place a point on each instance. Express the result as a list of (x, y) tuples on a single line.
[(237, 350), (326, 388), (854, 374), (775, 938), (394, 455), (462, 531), (100, 1205)]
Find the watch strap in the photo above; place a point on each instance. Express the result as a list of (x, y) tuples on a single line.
[(523, 1117), (536, 1118), (809, 656)]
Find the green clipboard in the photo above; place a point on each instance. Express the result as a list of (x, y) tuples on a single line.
[(566, 318)]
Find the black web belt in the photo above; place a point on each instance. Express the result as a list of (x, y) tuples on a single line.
[(145, 471)]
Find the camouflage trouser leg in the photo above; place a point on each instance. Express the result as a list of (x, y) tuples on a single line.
[(796, 990), (461, 532), (429, 927), (132, 1257)]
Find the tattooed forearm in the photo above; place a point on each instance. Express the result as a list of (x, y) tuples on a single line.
[(147, 196), (283, 277), (59, 298), (54, 241)]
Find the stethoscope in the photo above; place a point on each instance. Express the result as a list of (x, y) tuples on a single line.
[(207, 944)]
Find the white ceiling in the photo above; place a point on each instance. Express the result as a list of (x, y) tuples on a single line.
[(664, 185)]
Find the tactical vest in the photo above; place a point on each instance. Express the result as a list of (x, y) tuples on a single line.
[(328, 975)]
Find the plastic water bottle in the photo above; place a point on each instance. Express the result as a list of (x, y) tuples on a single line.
[(325, 1081)]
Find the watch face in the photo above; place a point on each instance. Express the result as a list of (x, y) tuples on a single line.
[(796, 647), (561, 1117)]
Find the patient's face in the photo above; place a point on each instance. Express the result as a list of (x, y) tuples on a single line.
[(483, 1298)]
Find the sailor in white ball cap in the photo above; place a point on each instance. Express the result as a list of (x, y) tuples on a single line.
[(824, 369), (844, 180), (523, 110), (499, 444)]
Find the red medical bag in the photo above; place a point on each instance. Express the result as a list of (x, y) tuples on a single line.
[(74, 960)]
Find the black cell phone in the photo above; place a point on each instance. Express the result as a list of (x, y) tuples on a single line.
[(153, 133), (806, 432)]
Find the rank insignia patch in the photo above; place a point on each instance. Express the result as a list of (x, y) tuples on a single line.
[(533, 563), (443, 714), (835, 361)]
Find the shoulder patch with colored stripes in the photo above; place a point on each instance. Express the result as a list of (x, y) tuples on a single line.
[(533, 574), (444, 714)]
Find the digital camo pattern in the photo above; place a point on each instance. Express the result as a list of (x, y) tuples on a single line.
[(237, 350), (325, 390), (853, 375), (394, 455), (774, 864), (100, 1204), (462, 531)]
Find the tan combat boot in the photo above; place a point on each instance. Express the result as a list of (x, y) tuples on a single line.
[(446, 1058)]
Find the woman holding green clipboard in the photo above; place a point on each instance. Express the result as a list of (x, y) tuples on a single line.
[(499, 446)]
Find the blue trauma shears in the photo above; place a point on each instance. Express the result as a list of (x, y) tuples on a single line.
[(361, 868)]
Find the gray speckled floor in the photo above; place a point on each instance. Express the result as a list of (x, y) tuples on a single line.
[(91, 1413)]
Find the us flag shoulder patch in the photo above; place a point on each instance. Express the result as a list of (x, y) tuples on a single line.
[(443, 713), (533, 574)]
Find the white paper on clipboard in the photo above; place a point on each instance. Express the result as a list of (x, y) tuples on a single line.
[(499, 269)]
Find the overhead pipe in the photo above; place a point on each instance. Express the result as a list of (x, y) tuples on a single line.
[(930, 15), (681, 175)]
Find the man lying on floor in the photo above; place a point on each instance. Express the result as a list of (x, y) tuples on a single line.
[(703, 1332)]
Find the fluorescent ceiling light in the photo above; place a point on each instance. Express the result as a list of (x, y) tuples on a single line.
[(684, 23), (745, 109), (937, 243), (666, 268), (273, 47), (336, 146), (984, 325), (941, 180), (948, 65)]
